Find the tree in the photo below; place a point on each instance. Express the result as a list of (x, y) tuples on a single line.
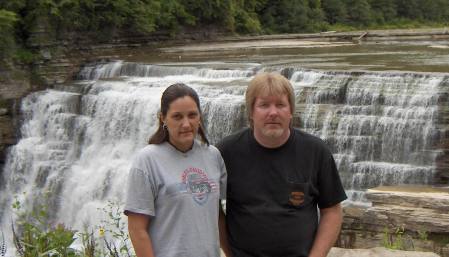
[(359, 12), (172, 15), (283, 16), (436, 10), (244, 15), (335, 11), (409, 9), (316, 16), (383, 10)]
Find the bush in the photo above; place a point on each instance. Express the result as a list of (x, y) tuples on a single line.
[(34, 237)]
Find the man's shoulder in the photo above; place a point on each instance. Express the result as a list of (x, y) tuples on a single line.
[(309, 141), (238, 137)]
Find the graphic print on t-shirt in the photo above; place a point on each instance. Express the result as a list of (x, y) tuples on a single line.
[(198, 184)]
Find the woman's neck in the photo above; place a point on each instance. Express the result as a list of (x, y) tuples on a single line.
[(182, 148)]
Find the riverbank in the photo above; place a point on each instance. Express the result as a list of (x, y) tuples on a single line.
[(311, 40), (362, 35)]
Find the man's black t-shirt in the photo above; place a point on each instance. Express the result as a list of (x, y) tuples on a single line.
[(272, 194)]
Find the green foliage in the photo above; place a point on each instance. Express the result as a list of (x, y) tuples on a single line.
[(383, 10), (284, 16), (395, 240), (335, 11), (172, 14), (359, 12), (35, 238), (115, 227), (7, 41), (25, 56), (102, 20), (423, 235), (242, 16), (409, 9), (108, 17), (103, 16)]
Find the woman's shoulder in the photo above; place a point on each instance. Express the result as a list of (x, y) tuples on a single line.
[(148, 152), (208, 149), (148, 149)]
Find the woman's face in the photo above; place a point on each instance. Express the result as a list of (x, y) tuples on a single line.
[(182, 121)]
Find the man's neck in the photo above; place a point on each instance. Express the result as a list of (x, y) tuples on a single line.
[(272, 142)]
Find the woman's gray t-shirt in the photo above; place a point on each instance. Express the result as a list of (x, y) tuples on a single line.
[(181, 193)]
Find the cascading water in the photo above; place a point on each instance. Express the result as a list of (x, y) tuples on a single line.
[(381, 127), (78, 142)]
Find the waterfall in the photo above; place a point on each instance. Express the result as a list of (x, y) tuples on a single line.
[(78, 142), (380, 126)]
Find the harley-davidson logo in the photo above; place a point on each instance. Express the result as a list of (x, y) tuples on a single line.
[(296, 198)]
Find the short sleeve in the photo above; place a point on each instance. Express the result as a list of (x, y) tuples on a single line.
[(140, 195), (330, 188), (222, 169), (223, 178)]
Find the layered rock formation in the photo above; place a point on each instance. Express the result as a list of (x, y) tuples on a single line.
[(13, 86), (407, 218), (376, 252)]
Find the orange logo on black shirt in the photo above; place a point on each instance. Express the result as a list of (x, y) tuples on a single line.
[(296, 198)]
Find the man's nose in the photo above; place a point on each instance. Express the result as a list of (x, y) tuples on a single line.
[(273, 110)]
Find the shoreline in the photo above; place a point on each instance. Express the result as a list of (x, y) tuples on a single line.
[(363, 35)]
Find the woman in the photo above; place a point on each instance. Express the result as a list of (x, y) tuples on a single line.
[(175, 184)]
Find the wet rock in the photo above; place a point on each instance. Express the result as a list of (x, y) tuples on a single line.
[(410, 218), (377, 252)]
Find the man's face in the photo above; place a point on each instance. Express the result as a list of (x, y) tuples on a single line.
[(271, 117)]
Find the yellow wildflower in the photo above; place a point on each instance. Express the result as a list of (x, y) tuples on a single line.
[(101, 232)]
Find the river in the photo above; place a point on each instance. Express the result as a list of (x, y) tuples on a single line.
[(377, 105)]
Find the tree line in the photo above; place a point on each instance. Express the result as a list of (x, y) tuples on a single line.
[(18, 18)]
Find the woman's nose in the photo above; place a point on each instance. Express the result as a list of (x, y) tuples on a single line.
[(185, 122)]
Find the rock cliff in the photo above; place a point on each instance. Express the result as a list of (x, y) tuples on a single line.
[(406, 218), (14, 84)]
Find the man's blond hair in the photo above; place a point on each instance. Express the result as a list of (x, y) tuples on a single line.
[(266, 84)]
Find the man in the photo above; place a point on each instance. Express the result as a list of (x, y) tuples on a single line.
[(277, 177)]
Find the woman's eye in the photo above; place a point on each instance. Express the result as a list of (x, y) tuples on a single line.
[(193, 115), (177, 117)]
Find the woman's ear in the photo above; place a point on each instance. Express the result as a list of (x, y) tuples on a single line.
[(161, 117)]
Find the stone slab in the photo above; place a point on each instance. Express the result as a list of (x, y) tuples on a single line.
[(377, 252)]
